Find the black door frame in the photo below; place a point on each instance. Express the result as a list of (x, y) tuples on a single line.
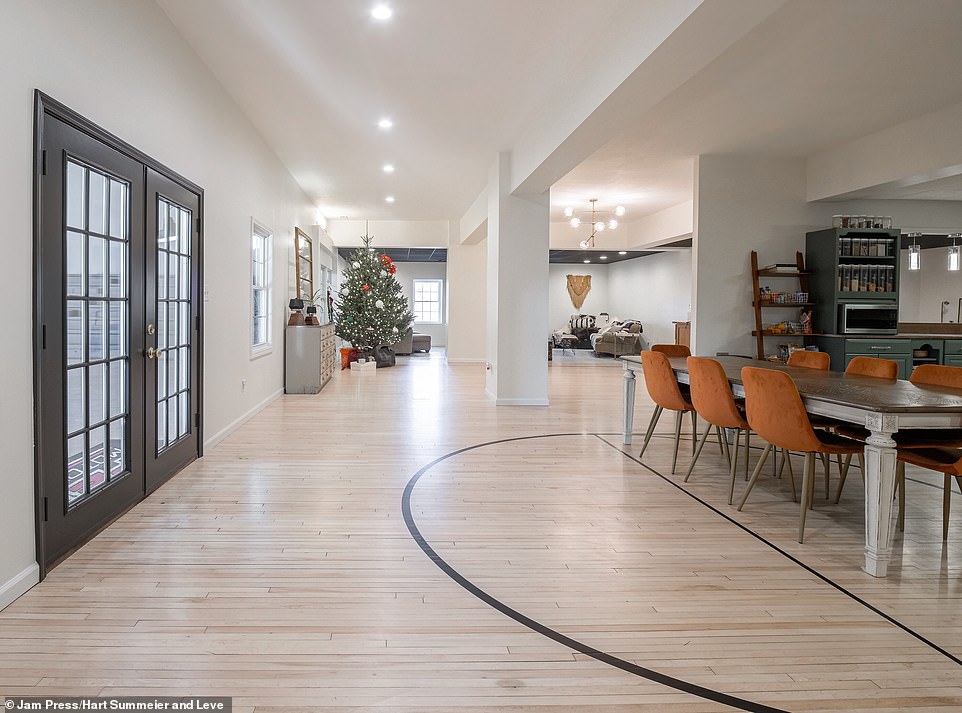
[(44, 106)]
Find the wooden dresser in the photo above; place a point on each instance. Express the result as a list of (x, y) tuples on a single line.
[(309, 358)]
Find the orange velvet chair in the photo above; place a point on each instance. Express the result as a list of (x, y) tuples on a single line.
[(810, 360), (671, 350), (870, 366), (663, 388), (862, 366), (947, 461), (923, 375), (932, 445), (712, 397), (776, 413)]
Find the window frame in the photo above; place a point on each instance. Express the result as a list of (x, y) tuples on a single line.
[(259, 230), (440, 299)]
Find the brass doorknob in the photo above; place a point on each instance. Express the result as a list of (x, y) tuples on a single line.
[(152, 353)]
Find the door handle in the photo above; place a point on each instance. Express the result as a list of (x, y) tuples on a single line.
[(151, 353)]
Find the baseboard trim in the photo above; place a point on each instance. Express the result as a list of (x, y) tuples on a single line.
[(18, 585), (465, 361), (239, 421), (521, 402)]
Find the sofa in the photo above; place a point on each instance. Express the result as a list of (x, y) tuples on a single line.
[(577, 333), (412, 342), (619, 338)]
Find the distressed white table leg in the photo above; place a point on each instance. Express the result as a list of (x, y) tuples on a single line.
[(629, 403), (880, 461)]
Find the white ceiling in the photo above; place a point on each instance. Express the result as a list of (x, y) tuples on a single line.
[(462, 79)]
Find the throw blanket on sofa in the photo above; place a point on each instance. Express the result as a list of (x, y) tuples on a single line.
[(578, 288)]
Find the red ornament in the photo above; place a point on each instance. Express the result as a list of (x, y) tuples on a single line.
[(392, 269), (365, 287)]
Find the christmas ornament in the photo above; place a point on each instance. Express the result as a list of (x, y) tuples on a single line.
[(379, 304), (356, 265)]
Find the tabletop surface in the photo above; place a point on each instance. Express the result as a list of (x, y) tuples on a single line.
[(863, 392)]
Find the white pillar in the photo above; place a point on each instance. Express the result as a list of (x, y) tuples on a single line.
[(517, 292)]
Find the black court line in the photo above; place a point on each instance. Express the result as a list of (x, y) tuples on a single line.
[(875, 610), (601, 656)]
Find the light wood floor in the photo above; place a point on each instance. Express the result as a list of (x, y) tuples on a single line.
[(279, 570)]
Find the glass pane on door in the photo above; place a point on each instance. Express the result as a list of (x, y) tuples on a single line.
[(96, 315), (174, 270)]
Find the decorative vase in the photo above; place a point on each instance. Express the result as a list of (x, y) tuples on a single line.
[(296, 319)]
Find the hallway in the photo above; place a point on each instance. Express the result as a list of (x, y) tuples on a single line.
[(279, 570)]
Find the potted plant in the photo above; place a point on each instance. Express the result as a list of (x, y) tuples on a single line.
[(312, 302)]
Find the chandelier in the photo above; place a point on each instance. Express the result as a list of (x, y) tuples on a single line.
[(599, 221)]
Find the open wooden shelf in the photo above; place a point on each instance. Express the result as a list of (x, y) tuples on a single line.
[(800, 274)]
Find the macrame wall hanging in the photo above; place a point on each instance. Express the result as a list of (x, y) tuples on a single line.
[(578, 288)]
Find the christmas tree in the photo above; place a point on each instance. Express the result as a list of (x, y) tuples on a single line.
[(369, 309)]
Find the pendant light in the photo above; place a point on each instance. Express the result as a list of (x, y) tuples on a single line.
[(915, 253), (954, 253)]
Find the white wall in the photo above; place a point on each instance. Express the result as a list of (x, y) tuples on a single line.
[(741, 204), (467, 301), (559, 301), (407, 273), (655, 289), (119, 84)]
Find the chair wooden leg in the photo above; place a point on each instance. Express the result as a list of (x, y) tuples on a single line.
[(734, 466), (651, 428), (758, 469), (791, 476), (808, 484), (679, 415), (694, 431), (842, 475), (946, 506), (723, 444), (701, 445), (827, 465), (748, 435)]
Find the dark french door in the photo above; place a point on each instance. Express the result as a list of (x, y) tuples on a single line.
[(117, 350)]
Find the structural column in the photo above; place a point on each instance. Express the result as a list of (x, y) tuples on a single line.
[(517, 292)]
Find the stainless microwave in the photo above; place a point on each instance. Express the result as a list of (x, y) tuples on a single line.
[(868, 318)]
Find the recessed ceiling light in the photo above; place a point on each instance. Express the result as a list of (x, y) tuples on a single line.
[(385, 124), (587, 262), (602, 257), (388, 168), (381, 11), (622, 252), (390, 199)]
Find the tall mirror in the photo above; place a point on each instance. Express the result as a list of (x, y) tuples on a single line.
[(304, 264)]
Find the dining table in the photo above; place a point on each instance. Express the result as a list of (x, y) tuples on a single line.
[(882, 406)]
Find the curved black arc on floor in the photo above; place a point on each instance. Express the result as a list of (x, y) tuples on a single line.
[(627, 666)]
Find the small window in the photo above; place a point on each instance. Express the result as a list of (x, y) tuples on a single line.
[(262, 250), (427, 301)]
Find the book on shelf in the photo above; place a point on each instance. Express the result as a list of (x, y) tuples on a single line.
[(780, 267)]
